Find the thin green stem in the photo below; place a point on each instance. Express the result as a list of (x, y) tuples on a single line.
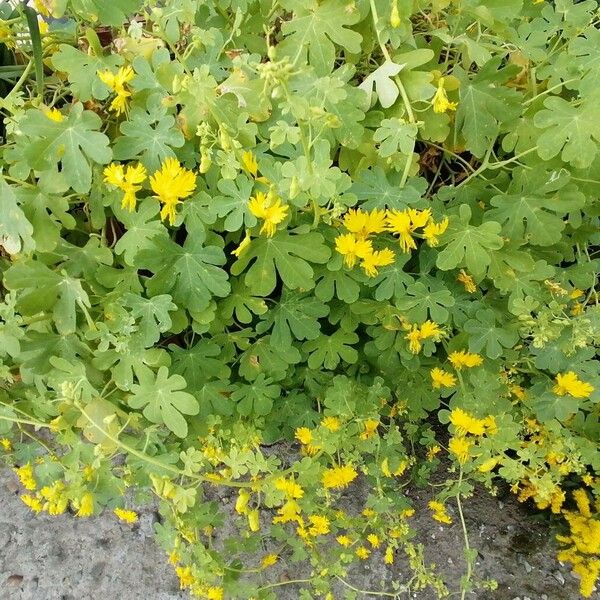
[(469, 573)]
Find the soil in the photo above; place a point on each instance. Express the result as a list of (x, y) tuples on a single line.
[(67, 558)]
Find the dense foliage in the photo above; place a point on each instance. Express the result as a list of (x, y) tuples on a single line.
[(295, 248)]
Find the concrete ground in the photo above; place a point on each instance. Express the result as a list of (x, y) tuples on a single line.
[(66, 558)]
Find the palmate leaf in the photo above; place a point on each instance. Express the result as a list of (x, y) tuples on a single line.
[(162, 399), (296, 316), (112, 13), (328, 350), (15, 230), (315, 29), (257, 397), (426, 299), (153, 315), (395, 135), (484, 333), (62, 293), (572, 131), (485, 104), (81, 69), (470, 246), (190, 273), (285, 255), (148, 136), (73, 142)]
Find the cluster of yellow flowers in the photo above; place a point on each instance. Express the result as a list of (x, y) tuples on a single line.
[(466, 425), (55, 499), (188, 581), (361, 225), (170, 184), (117, 83), (583, 541)]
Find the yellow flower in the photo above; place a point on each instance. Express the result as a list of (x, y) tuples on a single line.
[(370, 429), (344, 540), (35, 504), (399, 223), (186, 577), (86, 505), (214, 593), (388, 558), (25, 475), (117, 82), (331, 423), (6, 444), (268, 561), (290, 488), (339, 477), (460, 447), (439, 512), (467, 281), (441, 378), (54, 115), (374, 540), (351, 248), (44, 7), (171, 184), (244, 245), (418, 218), (464, 423), (432, 231), (270, 209), (303, 435), (290, 511), (429, 329), (249, 163), (56, 500), (379, 258), (127, 516), (569, 383), (363, 224), (128, 181), (464, 359), (433, 451), (362, 553), (440, 101), (319, 525), (414, 339)]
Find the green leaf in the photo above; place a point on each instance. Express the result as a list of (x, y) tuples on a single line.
[(296, 316), (485, 334), (141, 228), (395, 135), (470, 246), (485, 104), (264, 357), (62, 294), (392, 280), (148, 136), (571, 131), (426, 299), (234, 203), (153, 314), (162, 399), (190, 273), (199, 363), (315, 28), (72, 142), (241, 304), (81, 69), (328, 350), (285, 255), (15, 230), (374, 190), (256, 398), (113, 13)]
